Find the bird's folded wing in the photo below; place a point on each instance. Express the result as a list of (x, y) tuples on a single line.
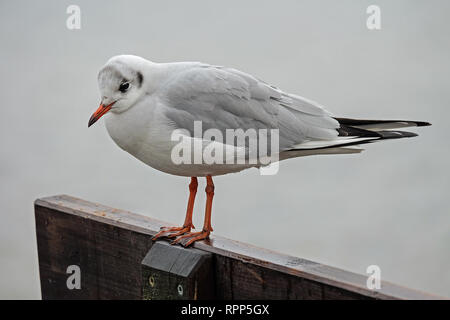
[(223, 98)]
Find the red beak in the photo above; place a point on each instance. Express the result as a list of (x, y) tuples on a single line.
[(99, 113)]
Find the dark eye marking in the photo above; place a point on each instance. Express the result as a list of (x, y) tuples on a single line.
[(140, 78), (124, 86)]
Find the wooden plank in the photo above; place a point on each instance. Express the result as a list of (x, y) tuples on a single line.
[(109, 245), (109, 258)]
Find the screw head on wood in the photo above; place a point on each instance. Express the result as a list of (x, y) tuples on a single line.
[(180, 290), (151, 281)]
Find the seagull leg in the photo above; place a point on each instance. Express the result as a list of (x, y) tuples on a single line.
[(190, 237), (171, 232)]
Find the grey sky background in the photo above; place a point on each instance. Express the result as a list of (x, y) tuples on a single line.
[(387, 206)]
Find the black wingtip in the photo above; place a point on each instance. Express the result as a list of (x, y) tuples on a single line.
[(388, 134), (365, 122), (422, 123)]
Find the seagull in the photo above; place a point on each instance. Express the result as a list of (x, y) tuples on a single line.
[(154, 108)]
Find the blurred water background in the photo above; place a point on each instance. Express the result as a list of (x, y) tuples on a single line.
[(387, 206)]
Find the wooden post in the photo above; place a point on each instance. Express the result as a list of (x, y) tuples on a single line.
[(174, 273)]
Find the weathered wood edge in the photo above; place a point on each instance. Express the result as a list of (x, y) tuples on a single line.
[(236, 250)]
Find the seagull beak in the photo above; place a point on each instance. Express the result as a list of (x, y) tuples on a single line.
[(99, 113)]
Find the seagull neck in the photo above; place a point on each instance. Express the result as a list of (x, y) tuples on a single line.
[(158, 74)]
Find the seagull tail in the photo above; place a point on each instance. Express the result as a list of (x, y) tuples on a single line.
[(382, 129), (376, 130), (353, 132)]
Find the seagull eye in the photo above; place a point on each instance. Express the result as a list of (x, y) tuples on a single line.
[(124, 86)]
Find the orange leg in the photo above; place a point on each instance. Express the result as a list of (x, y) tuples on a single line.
[(172, 232), (190, 237)]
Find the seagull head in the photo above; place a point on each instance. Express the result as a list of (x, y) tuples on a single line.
[(121, 84)]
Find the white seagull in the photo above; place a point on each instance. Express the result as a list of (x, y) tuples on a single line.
[(148, 102)]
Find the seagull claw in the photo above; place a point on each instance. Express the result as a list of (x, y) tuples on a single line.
[(171, 232), (189, 238)]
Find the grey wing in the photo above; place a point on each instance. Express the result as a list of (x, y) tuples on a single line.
[(223, 98)]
